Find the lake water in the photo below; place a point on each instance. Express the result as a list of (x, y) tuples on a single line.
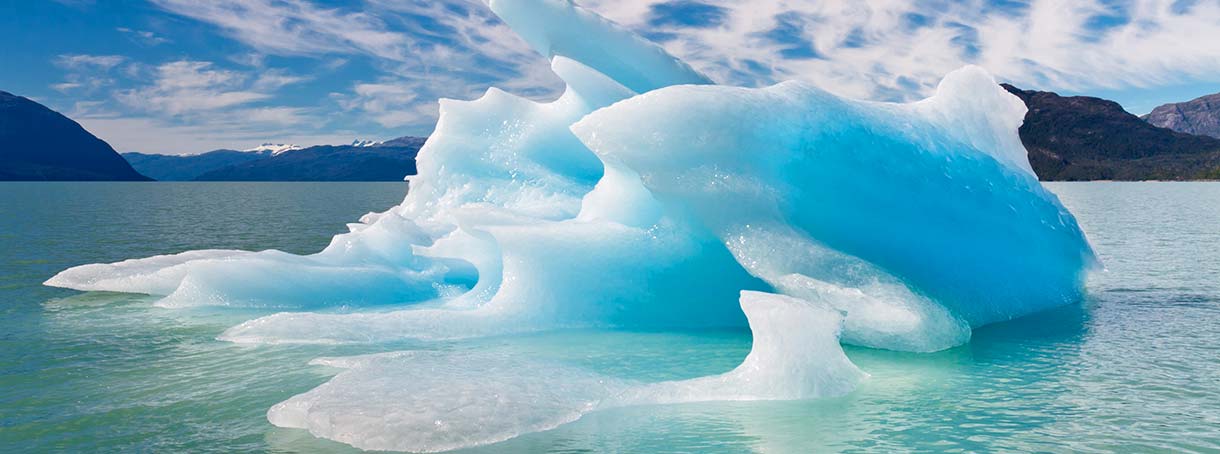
[(1135, 368)]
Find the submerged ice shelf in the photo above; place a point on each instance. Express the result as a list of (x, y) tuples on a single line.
[(645, 196), (438, 401)]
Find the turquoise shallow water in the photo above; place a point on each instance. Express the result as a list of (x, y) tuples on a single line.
[(1135, 368)]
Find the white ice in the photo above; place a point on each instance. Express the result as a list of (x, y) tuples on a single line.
[(428, 401)]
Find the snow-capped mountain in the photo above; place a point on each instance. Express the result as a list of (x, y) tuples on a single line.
[(363, 160), (275, 148)]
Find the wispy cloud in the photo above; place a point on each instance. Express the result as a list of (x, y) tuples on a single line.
[(89, 62), (388, 103), (295, 27), (188, 106), (274, 79), (188, 87), (86, 73), (892, 49), (441, 48), (154, 135), (144, 36), (66, 87), (881, 49)]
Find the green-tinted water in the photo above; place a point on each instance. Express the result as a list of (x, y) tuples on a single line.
[(1134, 369)]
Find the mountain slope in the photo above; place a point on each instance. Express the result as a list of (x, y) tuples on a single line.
[(186, 168), (1199, 116), (39, 144), (1085, 138), (389, 161)]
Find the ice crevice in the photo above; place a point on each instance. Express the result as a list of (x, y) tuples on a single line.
[(647, 197)]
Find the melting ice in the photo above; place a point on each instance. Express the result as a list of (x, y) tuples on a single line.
[(645, 196)]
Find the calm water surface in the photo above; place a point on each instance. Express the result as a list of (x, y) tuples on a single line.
[(1136, 368)]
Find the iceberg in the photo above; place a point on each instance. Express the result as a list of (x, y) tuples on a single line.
[(645, 196), (919, 221)]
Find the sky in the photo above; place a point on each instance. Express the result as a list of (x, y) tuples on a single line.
[(188, 76)]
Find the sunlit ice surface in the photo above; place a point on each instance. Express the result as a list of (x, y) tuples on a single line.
[(647, 198)]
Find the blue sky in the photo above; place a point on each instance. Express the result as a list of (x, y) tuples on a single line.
[(186, 76)]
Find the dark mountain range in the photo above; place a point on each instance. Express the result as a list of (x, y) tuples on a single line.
[(185, 168), (1199, 116), (385, 161), (1085, 138), (39, 144), (389, 161)]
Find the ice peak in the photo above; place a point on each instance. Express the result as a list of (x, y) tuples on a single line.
[(275, 148), (365, 143)]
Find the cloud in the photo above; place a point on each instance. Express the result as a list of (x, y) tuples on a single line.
[(274, 79), (89, 62), (252, 59), (187, 106), (186, 87), (66, 87), (195, 87), (284, 116), (295, 27), (422, 49), (443, 48), (154, 135), (390, 104), (86, 73), (890, 49), (145, 37), (878, 49)]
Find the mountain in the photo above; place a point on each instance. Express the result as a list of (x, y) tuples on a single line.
[(388, 161), (363, 160), (1085, 138), (275, 148), (39, 144), (1199, 116), (184, 168)]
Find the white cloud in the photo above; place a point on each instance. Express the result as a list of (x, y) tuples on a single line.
[(66, 87), (274, 79), (892, 48), (185, 87), (86, 73), (191, 106), (144, 36), (295, 27), (193, 87), (252, 59), (285, 116), (880, 49), (389, 103), (89, 62), (442, 48), (153, 135)]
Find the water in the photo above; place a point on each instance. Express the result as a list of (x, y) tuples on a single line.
[(1136, 368)]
